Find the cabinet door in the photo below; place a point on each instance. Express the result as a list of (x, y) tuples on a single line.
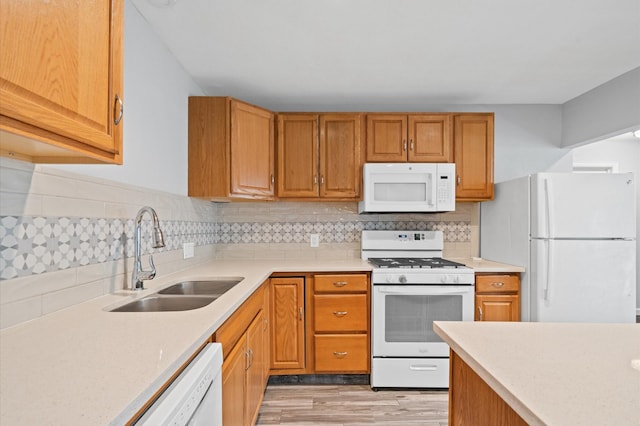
[(255, 369), (496, 307), (430, 138), (61, 79), (252, 151), (233, 386), (386, 138), (340, 164), (287, 323), (297, 155), (473, 136)]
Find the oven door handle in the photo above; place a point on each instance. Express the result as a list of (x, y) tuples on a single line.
[(421, 291)]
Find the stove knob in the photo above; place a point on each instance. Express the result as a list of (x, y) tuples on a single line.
[(443, 279), (389, 279), (456, 279), (402, 279)]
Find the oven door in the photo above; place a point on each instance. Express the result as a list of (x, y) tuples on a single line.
[(403, 315)]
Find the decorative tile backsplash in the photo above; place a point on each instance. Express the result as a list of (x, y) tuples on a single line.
[(330, 232), (35, 245)]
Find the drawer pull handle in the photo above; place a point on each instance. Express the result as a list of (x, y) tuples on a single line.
[(340, 283), (340, 314), (497, 284), (426, 367), (340, 354)]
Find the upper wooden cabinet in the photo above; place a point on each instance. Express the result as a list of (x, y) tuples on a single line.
[(319, 155), (61, 81), (231, 149), (415, 138), (473, 135)]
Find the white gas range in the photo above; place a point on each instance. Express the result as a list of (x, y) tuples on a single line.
[(412, 287)]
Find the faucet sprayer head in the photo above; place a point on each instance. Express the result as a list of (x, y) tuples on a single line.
[(158, 238)]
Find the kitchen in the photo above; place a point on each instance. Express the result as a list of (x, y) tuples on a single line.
[(156, 115)]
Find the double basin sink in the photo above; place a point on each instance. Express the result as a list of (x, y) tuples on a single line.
[(182, 296)]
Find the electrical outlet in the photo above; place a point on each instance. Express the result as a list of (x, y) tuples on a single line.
[(315, 240), (188, 250)]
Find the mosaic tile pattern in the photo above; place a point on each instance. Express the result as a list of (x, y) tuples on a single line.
[(330, 232), (34, 245)]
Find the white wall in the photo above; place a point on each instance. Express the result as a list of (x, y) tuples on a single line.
[(608, 110), (156, 91)]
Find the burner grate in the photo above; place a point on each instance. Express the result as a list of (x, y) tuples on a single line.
[(415, 263)]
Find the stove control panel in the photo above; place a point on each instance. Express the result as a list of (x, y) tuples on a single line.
[(413, 236)]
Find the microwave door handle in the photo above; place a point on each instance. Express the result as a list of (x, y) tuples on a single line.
[(431, 188)]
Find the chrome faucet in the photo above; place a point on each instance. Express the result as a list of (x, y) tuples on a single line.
[(139, 275)]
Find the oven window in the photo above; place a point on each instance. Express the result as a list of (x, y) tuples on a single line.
[(410, 318)]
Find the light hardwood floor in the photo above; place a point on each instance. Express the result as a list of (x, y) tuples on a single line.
[(351, 405)]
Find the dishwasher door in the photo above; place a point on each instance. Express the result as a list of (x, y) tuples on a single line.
[(195, 396)]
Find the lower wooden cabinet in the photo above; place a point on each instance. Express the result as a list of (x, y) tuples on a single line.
[(287, 324), (320, 323), (497, 297), (245, 344), (473, 402), (234, 386), (341, 323), (344, 353)]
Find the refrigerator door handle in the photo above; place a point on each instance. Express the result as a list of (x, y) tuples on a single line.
[(549, 274), (548, 195)]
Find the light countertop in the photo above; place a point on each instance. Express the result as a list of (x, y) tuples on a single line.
[(555, 373), (481, 265), (85, 365)]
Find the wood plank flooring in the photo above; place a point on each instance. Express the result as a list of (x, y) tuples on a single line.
[(353, 405)]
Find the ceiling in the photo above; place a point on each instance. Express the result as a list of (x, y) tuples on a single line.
[(398, 54)]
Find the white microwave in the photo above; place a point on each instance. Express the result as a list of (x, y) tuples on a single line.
[(408, 187)]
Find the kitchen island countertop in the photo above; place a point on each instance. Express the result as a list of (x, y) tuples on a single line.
[(555, 373)]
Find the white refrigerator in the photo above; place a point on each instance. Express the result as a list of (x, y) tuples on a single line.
[(575, 235)]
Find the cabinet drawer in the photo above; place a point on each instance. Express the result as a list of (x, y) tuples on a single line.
[(341, 353), (337, 283), (340, 312), (497, 283)]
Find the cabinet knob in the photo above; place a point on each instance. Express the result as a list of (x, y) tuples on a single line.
[(118, 110), (315, 179), (497, 284), (458, 180), (480, 313), (404, 145), (322, 180), (273, 179), (300, 313), (340, 314), (340, 283), (411, 145), (340, 354)]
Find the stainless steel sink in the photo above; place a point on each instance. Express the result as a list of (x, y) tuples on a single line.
[(214, 287), (157, 303)]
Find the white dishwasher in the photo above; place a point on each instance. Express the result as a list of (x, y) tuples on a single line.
[(194, 397)]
